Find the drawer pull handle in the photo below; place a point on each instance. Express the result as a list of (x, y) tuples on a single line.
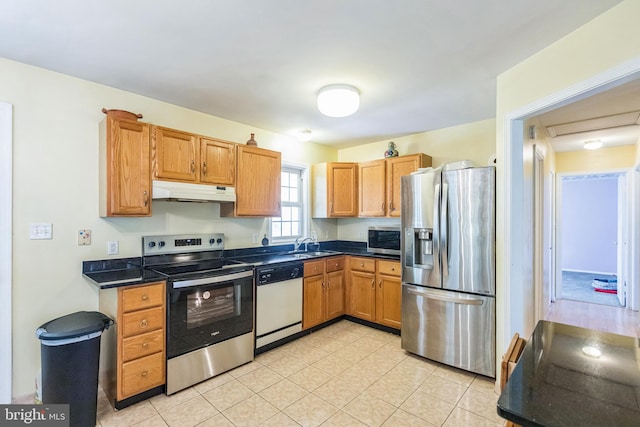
[(373, 283), (144, 323), (380, 284), (144, 297), (145, 345), (144, 373), (362, 264)]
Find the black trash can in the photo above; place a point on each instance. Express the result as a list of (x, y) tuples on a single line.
[(70, 353)]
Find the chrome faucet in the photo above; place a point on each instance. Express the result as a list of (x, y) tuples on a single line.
[(299, 242)]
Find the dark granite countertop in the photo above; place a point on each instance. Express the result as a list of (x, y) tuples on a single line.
[(570, 376), (113, 273)]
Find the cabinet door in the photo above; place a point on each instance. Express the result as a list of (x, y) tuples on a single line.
[(342, 189), (396, 168), (312, 301), (217, 161), (258, 182), (389, 301), (126, 175), (176, 155), (363, 295), (334, 294), (371, 190)]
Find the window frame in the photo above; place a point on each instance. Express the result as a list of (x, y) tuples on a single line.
[(303, 171)]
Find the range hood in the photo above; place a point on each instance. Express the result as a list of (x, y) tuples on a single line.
[(184, 192)]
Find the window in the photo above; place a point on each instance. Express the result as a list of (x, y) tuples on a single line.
[(292, 222)]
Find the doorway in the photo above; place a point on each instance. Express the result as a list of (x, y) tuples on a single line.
[(590, 234)]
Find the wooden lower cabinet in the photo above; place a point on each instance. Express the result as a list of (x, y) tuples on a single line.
[(133, 358), (374, 291), (323, 291)]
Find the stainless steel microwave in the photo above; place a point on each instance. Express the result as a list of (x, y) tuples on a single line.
[(384, 240)]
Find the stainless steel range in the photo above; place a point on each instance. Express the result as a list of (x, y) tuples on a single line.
[(210, 306)]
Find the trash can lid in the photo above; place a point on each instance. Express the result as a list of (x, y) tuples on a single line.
[(74, 325)]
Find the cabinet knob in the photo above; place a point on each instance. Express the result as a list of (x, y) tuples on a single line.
[(146, 197), (362, 264), (380, 284), (144, 374), (144, 297), (373, 283), (193, 166), (144, 324), (145, 345), (204, 168)]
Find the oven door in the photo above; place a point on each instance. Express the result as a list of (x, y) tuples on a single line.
[(206, 311)]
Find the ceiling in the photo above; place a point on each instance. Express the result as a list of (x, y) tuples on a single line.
[(419, 64), (603, 106)]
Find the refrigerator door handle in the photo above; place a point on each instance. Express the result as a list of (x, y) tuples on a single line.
[(444, 230), (433, 295), (435, 238)]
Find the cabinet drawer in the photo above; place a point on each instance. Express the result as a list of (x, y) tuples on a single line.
[(142, 345), (392, 268), (142, 321), (363, 264), (142, 297), (335, 264), (142, 374), (311, 268)]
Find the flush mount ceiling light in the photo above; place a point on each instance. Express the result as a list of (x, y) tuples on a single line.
[(338, 100), (304, 135), (593, 144)]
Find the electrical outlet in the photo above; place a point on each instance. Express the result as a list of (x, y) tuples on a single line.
[(40, 231), (84, 237), (112, 247)]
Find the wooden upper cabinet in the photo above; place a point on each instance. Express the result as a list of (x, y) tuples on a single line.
[(175, 155), (257, 183), (335, 190), (372, 188), (379, 188), (396, 168), (217, 161), (125, 168)]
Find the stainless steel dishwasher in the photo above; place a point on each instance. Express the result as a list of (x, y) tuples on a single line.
[(278, 302)]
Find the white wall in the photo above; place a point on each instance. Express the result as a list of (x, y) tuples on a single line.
[(55, 180)]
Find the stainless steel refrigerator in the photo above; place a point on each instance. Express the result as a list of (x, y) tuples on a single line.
[(448, 266)]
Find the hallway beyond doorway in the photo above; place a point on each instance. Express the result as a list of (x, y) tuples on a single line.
[(577, 286)]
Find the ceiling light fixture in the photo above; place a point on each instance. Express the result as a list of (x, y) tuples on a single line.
[(304, 135), (338, 100), (594, 144)]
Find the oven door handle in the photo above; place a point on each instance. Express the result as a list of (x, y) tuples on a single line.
[(212, 280)]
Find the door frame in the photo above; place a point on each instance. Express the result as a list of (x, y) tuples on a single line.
[(6, 161), (621, 217), (511, 180)]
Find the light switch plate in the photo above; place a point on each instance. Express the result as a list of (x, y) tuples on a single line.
[(40, 231), (84, 237)]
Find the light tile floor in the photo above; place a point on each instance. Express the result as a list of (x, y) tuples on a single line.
[(346, 374)]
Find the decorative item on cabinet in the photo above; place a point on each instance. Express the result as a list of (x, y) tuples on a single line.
[(122, 114), (252, 141), (391, 151)]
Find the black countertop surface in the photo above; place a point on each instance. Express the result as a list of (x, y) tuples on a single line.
[(112, 273), (571, 376)]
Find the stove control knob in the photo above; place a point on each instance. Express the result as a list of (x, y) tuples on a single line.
[(219, 240), (152, 244), (212, 241), (161, 243)]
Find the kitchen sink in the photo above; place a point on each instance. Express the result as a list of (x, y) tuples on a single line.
[(311, 254)]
